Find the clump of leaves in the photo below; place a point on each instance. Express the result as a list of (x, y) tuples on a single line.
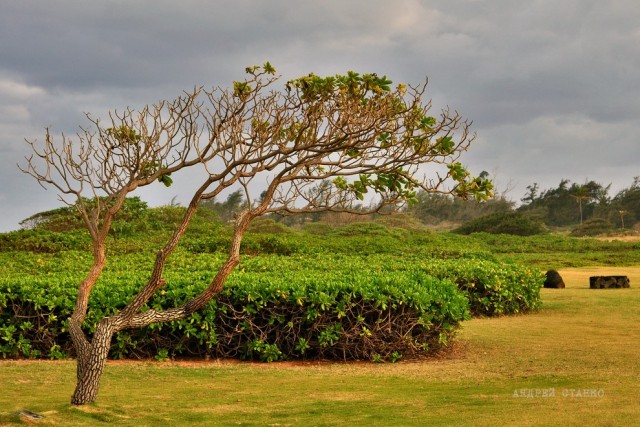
[(592, 227), (503, 223)]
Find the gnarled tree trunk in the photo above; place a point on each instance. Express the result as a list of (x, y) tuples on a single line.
[(91, 361), (92, 355)]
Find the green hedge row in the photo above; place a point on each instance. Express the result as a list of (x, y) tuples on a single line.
[(273, 307), (493, 289), (503, 223), (43, 241), (267, 318)]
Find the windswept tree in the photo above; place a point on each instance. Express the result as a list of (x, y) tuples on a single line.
[(556, 206), (227, 209), (627, 203), (363, 135), (581, 194)]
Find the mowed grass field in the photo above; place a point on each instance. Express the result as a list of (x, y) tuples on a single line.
[(574, 363)]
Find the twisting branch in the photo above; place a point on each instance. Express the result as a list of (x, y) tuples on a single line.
[(322, 144)]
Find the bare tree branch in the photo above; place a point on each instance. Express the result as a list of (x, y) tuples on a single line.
[(322, 144)]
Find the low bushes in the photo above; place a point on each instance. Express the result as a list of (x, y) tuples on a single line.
[(251, 244), (377, 307), (592, 227), (43, 241), (503, 223), (492, 289), (258, 316)]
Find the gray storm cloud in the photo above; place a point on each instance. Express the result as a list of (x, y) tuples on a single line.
[(551, 87)]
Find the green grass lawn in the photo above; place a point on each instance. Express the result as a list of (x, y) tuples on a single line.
[(581, 340)]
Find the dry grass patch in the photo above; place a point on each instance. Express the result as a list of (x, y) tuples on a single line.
[(578, 278), (627, 238)]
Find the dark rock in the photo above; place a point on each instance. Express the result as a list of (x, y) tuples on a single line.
[(554, 280), (608, 282)]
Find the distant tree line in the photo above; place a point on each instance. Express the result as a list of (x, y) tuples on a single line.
[(576, 204), (587, 207)]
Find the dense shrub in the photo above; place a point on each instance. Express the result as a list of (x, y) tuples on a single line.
[(503, 223), (367, 229), (43, 241), (268, 225), (65, 218), (361, 291), (267, 316), (592, 227), (401, 220), (252, 244), (492, 289), (321, 306), (318, 228)]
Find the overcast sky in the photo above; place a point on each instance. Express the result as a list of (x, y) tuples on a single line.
[(552, 87)]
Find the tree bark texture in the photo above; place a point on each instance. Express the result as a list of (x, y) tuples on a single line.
[(90, 365)]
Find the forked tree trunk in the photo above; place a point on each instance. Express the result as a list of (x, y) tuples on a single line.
[(90, 365), (92, 355)]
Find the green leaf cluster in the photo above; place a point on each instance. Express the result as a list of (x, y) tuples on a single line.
[(241, 89), (124, 135), (480, 187), (395, 182), (151, 168), (361, 87)]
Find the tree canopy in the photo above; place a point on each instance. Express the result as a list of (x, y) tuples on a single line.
[(319, 144)]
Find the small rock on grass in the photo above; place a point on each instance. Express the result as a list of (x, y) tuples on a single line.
[(29, 414)]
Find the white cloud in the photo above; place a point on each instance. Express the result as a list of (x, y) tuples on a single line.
[(15, 90), (15, 98)]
